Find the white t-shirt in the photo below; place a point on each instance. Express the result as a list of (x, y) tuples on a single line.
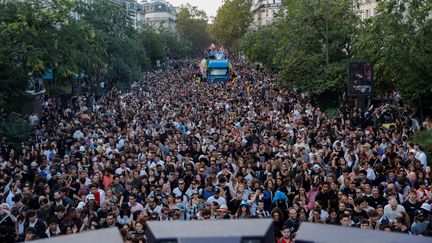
[(220, 200)]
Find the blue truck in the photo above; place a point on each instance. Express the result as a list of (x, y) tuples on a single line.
[(216, 67)]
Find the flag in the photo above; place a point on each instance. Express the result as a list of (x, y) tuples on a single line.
[(213, 47)]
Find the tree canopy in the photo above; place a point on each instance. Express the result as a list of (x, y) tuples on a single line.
[(232, 21), (296, 44), (192, 25), (396, 41), (73, 37)]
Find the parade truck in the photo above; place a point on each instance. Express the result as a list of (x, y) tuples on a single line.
[(216, 67), (218, 70)]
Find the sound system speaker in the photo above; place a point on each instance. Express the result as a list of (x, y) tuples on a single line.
[(210, 231), (109, 235), (321, 233)]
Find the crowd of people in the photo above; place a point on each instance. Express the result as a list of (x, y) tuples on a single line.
[(171, 149)]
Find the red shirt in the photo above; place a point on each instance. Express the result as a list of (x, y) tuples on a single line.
[(282, 240)]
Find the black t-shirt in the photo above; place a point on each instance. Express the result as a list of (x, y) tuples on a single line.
[(357, 216), (374, 202), (410, 208)]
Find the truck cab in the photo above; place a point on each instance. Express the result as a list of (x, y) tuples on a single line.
[(218, 70)]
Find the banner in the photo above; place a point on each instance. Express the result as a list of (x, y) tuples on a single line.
[(360, 78)]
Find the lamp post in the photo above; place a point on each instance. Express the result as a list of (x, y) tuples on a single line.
[(326, 32)]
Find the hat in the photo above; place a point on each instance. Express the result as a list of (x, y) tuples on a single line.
[(316, 166), (426, 207), (279, 196), (244, 203), (33, 164), (81, 205), (217, 190), (90, 197), (385, 221), (223, 207)]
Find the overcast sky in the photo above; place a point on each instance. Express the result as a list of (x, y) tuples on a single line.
[(209, 6)]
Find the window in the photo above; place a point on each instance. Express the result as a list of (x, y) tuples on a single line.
[(218, 71)]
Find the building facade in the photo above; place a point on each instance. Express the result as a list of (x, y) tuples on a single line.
[(367, 8), (160, 15), (157, 14), (264, 12)]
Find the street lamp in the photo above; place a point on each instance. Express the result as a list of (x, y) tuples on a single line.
[(327, 34)]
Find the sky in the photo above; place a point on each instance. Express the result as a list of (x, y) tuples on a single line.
[(209, 6)]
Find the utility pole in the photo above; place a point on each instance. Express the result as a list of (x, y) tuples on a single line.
[(327, 34)]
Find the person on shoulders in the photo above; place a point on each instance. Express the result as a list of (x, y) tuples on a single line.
[(286, 234)]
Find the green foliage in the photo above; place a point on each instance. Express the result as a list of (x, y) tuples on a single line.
[(398, 41), (259, 46), (15, 129), (424, 138), (192, 25), (73, 37), (296, 45), (332, 112), (232, 21)]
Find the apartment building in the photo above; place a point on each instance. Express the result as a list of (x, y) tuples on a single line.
[(264, 12)]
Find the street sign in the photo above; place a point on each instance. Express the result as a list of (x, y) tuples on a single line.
[(360, 79)]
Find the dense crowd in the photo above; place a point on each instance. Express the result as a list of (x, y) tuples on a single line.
[(172, 149)]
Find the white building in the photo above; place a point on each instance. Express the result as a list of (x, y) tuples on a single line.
[(160, 14), (156, 14), (264, 12), (367, 8)]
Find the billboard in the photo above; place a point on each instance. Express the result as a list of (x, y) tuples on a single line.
[(360, 78)]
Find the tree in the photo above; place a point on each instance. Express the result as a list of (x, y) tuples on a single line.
[(397, 40), (14, 129), (259, 46), (174, 46), (232, 21), (192, 25), (73, 38), (29, 44), (297, 45)]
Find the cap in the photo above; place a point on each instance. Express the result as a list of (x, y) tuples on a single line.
[(217, 190), (90, 197), (244, 203), (316, 166), (385, 221), (33, 164), (223, 207), (81, 205), (426, 207)]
